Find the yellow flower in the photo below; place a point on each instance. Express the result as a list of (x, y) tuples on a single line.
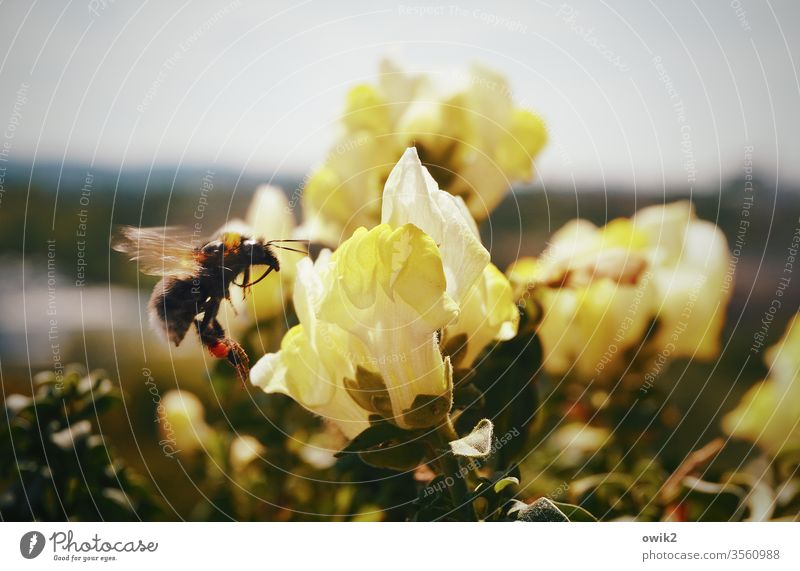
[(469, 134), (689, 260), (184, 422), (769, 413), (488, 312), (315, 357), (600, 289), (389, 291), (366, 343), (244, 450), (370, 313), (411, 195)]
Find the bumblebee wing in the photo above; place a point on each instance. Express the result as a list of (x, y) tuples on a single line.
[(158, 251)]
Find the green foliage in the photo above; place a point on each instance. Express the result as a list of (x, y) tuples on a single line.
[(55, 466)]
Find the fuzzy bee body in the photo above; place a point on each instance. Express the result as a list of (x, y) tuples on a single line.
[(176, 302), (195, 281), (174, 305)]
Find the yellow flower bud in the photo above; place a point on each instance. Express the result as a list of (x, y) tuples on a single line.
[(244, 450), (184, 421)]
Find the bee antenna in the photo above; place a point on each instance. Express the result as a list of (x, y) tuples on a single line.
[(289, 249)]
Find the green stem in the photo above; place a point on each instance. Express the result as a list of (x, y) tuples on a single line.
[(450, 467)]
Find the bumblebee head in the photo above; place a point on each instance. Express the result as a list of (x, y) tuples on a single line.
[(257, 253), (245, 250)]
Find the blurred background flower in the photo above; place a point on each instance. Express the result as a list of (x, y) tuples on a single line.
[(183, 422), (271, 217), (651, 287), (467, 131), (769, 412)]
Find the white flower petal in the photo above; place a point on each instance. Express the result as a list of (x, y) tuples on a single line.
[(412, 196)]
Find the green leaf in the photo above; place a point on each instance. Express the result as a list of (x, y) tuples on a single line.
[(542, 509), (427, 410), (396, 455), (476, 444), (509, 376), (378, 433), (574, 513), (502, 484), (385, 445)]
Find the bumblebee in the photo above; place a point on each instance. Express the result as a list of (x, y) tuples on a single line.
[(195, 281)]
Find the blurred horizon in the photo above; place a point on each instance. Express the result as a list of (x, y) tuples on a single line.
[(69, 177), (657, 98)]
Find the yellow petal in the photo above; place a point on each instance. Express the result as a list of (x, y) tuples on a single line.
[(586, 331), (487, 314), (314, 377), (270, 215), (690, 261), (412, 196), (490, 104), (397, 87), (768, 416), (387, 264), (345, 193), (366, 109), (387, 288), (526, 136)]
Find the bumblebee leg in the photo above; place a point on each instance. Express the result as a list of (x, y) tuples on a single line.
[(209, 336), (210, 310), (245, 280), (217, 329), (238, 358)]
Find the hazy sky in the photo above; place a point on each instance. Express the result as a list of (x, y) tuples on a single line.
[(634, 92)]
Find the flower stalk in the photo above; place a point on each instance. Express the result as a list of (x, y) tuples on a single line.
[(454, 473)]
